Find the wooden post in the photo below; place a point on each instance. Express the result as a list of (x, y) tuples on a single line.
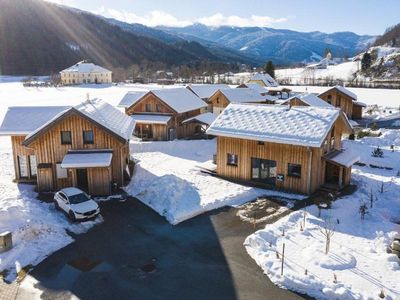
[(283, 258)]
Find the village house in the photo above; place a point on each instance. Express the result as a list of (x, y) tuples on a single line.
[(84, 72), (222, 98), (306, 99), (339, 96), (85, 146), (159, 114), (265, 80), (296, 149), (205, 91), (255, 86)]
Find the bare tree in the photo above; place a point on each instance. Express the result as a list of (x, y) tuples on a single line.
[(328, 230)]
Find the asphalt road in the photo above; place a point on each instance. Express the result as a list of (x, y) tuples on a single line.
[(136, 254)]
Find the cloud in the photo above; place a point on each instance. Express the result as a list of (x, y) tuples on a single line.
[(158, 17)]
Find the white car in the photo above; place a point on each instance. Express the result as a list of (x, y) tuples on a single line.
[(76, 203)]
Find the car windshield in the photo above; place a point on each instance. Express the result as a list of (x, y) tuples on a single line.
[(78, 198)]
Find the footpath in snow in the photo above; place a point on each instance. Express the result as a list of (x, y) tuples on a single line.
[(168, 178), (358, 265), (38, 229)]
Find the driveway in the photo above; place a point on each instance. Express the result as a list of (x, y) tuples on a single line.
[(136, 254)]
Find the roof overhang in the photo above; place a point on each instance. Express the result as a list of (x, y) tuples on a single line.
[(151, 119), (87, 159), (344, 158)]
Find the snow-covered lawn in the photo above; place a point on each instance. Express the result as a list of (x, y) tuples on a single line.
[(358, 257), (37, 228), (168, 179)]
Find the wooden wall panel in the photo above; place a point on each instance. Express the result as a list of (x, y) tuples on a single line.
[(346, 102), (19, 149)]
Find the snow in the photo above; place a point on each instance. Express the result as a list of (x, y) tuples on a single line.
[(205, 91), (206, 118), (358, 256), (255, 86), (87, 159), (131, 98), (380, 97), (342, 90), (168, 178), (85, 67), (180, 99), (37, 228), (345, 158), (243, 95), (266, 78), (299, 125), (311, 99), (24, 120), (151, 119)]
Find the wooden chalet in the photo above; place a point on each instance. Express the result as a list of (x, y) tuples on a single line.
[(85, 146), (296, 149), (159, 114), (222, 98), (274, 89), (306, 99), (346, 100), (205, 91)]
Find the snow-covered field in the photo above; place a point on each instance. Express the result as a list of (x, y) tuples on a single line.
[(358, 258), (168, 179), (37, 228)]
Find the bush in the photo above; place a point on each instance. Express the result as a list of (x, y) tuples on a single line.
[(362, 134)]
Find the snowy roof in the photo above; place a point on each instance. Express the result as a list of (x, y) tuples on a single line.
[(70, 191), (151, 119), (179, 99), (205, 91), (255, 86), (102, 113), (85, 67), (87, 159), (266, 78), (310, 99), (299, 125), (343, 90), (345, 158), (358, 103), (131, 98), (243, 95), (206, 118), (23, 120)]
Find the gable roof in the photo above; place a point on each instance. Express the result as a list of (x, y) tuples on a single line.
[(205, 91), (103, 114), (342, 90), (131, 98), (22, 120), (179, 99), (205, 118), (310, 99), (85, 67), (299, 125), (264, 77), (243, 95), (255, 86)]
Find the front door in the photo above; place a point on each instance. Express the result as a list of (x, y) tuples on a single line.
[(332, 174), (263, 171), (82, 179)]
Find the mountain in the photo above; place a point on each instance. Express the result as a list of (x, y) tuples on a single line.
[(280, 45), (391, 37), (37, 37)]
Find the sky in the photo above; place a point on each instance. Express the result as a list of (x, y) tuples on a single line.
[(359, 16)]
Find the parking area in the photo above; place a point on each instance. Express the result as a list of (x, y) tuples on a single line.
[(136, 254)]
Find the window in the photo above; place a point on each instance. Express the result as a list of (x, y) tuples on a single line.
[(88, 137), (263, 170), (330, 99), (23, 166), (32, 165), (158, 107), (232, 159), (217, 99), (148, 107), (66, 138), (61, 173), (294, 170), (338, 101), (261, 143)]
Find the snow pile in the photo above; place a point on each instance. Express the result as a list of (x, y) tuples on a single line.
[(168, 178), (37, 228), (358, 265)]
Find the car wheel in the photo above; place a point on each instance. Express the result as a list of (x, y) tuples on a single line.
[(56, 205), (71, 215)]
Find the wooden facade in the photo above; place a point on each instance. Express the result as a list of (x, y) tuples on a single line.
[(295, 102), (49, 152), (339, 99), (357, 111), (152, 105), (218, 102), (315, 171)]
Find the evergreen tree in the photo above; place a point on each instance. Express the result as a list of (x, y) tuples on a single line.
[(270, 68), (366, 61)]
